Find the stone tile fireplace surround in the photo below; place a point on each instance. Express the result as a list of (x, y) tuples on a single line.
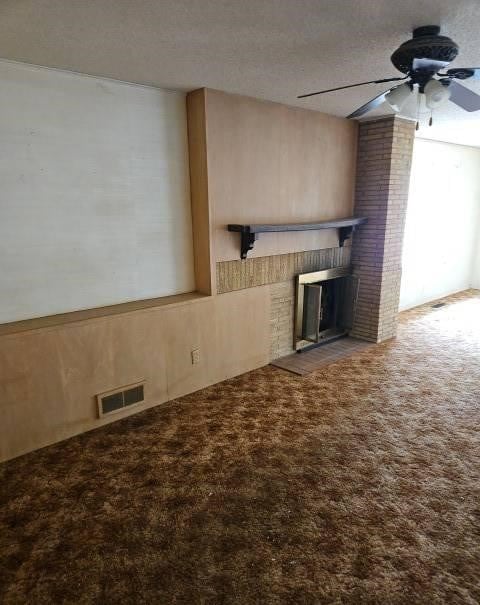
[(278, 272), (381, 193)]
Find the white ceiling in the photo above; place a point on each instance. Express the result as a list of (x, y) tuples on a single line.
[(270, 49)]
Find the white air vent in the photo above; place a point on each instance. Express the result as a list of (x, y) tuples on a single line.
[(114, 401)]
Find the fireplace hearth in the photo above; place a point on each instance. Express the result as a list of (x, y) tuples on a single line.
[(325, 304)]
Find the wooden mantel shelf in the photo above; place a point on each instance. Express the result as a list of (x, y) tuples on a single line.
[(249, 233)]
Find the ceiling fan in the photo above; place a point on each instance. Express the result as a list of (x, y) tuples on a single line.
[(422, 59)]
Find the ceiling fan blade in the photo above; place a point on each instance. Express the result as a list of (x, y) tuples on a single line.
[(464, 73), (373, 104), (428, 65), (463, 97), (321, 92)]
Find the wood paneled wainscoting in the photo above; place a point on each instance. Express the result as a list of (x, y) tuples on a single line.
[(49, 376)]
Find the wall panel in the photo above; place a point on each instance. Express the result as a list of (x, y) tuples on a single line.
[(49, 377), (270, 163), (94, 200)]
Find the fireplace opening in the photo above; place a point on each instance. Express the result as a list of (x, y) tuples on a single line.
[(324, 306)]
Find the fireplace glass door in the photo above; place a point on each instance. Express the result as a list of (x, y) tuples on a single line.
[(312, 309), (325, 308)]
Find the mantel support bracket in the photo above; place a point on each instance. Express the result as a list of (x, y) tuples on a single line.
[(345, 233), (246, 242)]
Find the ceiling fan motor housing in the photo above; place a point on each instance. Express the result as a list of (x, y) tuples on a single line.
[(427, 43)]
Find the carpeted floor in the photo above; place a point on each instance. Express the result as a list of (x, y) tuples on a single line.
[(357, 484)]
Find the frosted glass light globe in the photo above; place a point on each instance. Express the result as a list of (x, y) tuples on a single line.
[(397, 97), (436, 94)]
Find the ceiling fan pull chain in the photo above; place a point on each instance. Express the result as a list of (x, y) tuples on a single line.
[(417, 126), (430, 121)]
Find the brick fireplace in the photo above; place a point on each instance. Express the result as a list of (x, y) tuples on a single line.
[(381, 192)]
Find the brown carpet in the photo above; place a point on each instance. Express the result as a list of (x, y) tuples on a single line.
[(355, 484)]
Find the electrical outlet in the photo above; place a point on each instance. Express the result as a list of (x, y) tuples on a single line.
[(195, 353)]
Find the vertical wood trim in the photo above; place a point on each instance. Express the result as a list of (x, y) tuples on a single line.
[(201, 219)]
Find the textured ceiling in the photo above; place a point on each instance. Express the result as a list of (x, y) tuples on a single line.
[(270, 49)]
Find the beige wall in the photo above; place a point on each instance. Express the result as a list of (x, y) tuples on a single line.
[(446, 211), (269, 163), (249, 161)]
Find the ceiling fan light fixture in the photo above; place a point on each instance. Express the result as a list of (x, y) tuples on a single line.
[(398, 96), (421, 59), (436, 94)]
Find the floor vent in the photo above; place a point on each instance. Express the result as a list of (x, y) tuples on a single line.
[(118, 399), (438, 305)]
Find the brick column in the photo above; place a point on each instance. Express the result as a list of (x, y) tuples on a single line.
[(383, 174)]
